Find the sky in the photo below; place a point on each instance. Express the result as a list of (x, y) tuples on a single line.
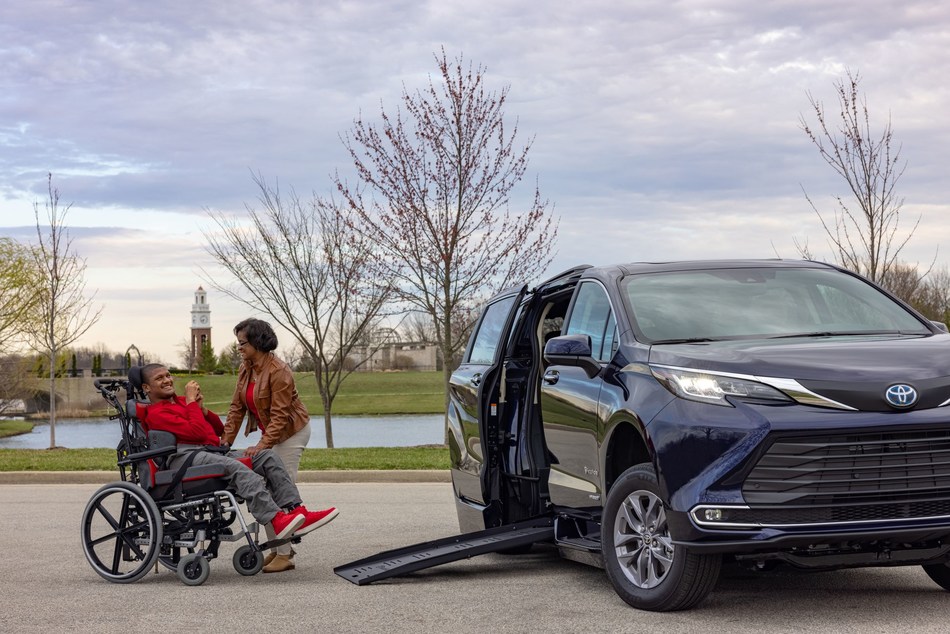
[(660, 130)]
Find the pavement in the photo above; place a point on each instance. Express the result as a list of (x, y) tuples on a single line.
[(48, 586), (355, 476)]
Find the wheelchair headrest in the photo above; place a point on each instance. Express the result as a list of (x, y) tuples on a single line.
[(136, 380)]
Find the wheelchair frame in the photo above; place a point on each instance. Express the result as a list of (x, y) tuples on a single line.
[(133, 525)]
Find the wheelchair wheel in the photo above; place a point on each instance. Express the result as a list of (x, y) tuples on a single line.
[(193, 569), (121, 532), (248, 561)]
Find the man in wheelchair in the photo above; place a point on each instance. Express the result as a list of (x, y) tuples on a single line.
[(270, 494)]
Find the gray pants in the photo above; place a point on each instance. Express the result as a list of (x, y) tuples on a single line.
[(266, 489)]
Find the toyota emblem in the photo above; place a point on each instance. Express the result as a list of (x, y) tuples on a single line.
[(901, 396)]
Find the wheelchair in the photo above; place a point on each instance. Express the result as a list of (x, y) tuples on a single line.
[(176, 518)]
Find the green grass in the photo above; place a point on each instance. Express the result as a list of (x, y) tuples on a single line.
[(362, 393), (14, 427), (390, 458)]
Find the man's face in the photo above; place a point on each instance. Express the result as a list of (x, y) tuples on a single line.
[(160, 384)]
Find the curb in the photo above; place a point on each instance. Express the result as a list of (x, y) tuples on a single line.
[(104, 477)]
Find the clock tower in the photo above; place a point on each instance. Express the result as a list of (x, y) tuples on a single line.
[(200, 324)]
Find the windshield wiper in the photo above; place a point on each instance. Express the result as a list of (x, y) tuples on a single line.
[(841, 333), (689, 340)]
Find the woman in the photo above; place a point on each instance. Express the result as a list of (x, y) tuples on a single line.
[(266, 392)]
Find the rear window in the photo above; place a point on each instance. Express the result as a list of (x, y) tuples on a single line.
[(769, 302)]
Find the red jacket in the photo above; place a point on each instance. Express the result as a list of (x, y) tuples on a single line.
[(187, 422)]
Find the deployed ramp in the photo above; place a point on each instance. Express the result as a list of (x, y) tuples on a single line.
[(401, 561)]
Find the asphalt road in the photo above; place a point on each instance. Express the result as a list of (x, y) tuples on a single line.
[(47, 585)]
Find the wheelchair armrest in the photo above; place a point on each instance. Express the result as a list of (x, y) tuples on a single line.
[(217, 449), (148, 453)]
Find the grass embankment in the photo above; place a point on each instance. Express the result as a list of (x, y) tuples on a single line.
[(350, 458), (363, 393)]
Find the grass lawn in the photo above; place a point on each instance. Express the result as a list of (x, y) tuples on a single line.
[(362, 393), (392, 458)]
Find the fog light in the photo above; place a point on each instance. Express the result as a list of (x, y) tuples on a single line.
[(713, 515)]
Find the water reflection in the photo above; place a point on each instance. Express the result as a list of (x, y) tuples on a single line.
[(348, 431)]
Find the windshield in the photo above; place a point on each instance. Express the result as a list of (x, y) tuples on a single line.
[(744, 303)]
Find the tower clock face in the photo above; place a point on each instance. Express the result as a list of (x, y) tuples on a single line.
[(204, 319)]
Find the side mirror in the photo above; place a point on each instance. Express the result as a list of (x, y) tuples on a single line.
[(942, 327), (574, 351)]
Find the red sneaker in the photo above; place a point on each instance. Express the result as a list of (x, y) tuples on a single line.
[(314, 520), (286, 523)]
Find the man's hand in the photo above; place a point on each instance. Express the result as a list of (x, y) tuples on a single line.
[(192, 392)]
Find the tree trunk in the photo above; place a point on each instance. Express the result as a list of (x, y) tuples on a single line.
[(52, 406), (327, 426)]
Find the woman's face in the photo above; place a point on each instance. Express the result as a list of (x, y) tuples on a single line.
[(246, 350)]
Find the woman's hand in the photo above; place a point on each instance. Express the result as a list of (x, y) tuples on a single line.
[(251, 451)]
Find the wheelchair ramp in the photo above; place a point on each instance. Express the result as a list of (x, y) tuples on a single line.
[(401, 561)]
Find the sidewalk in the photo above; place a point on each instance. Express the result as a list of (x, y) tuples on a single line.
[(104, 477)]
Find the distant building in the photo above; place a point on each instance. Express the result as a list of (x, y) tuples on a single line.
[(200, 324), (396, 355)]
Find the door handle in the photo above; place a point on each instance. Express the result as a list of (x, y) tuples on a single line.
[(476, 379), (551, 376)]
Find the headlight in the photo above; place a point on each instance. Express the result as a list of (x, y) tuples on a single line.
[(714, 388)]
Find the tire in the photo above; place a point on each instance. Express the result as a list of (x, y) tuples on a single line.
[(645, 568), (121, 532), (193, 569), (248, 561), (940, 573)]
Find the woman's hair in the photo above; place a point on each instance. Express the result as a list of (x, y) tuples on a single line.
[(258, 333)]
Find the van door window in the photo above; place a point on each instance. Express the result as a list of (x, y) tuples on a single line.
[(489, 331)]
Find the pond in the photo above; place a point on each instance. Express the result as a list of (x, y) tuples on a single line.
[(348, 431)]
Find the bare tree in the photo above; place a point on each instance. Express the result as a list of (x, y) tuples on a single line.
[(865, 233), (64, 311), (309, 268), (905, 281), (933, 299), (441, 172), (418, 327)]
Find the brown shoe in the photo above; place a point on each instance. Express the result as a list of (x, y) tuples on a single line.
[(280, 563), (270, 556)]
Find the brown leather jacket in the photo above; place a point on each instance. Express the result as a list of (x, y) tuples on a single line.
[(281, 412)]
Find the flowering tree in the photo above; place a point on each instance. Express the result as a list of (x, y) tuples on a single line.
[(435, 188)]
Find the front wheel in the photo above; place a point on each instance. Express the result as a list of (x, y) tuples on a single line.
[(646, 568), (248, 561), (193, 569)]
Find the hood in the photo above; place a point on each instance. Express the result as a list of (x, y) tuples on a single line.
[(854, 370)]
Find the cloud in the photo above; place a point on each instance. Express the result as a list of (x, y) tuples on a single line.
[(659, 129)]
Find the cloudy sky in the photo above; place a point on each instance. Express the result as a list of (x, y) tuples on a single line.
[(662, 129)]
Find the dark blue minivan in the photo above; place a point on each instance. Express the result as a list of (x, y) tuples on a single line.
[(666, 416)]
